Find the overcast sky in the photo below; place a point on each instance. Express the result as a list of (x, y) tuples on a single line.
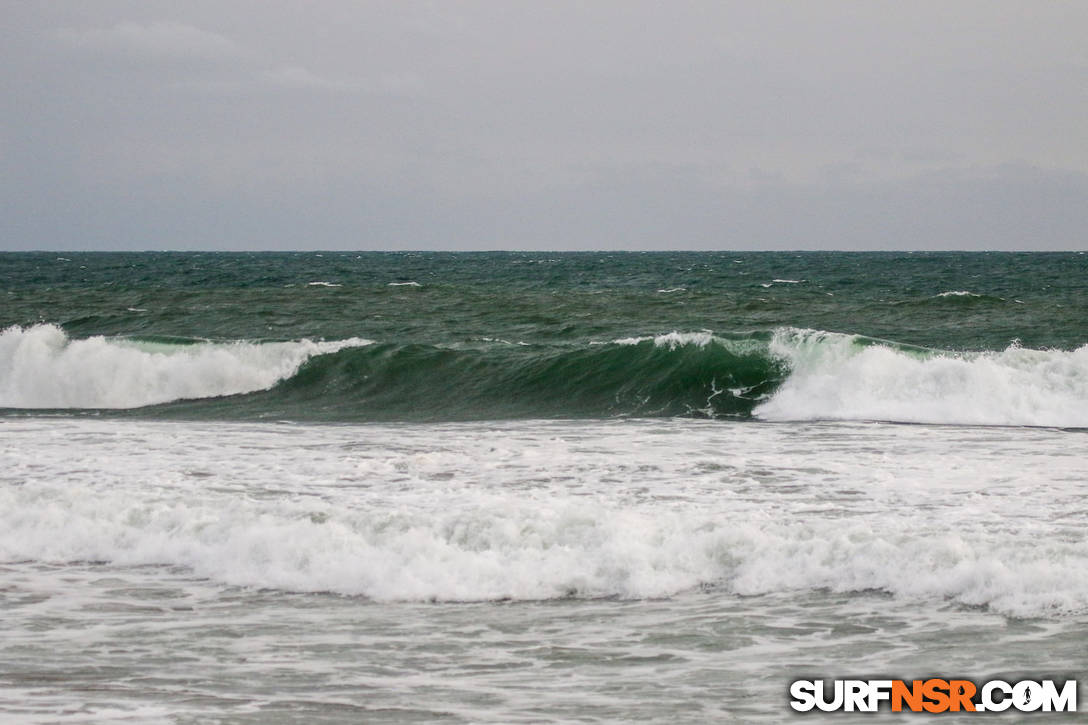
[(615, 124)]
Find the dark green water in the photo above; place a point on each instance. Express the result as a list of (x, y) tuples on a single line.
[(494, 335)]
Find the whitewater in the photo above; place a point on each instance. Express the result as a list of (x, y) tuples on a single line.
[(40, 367), (539, 511), (507, 563)]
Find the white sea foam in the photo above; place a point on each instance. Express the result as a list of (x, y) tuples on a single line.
[(835, 378), (323, 284), (40, 367), (671, 340), (958, 293), (537, 511), (404, 284)]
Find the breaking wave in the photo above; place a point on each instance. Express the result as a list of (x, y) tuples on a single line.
[(40, 367), (785, 374), (844, 377)]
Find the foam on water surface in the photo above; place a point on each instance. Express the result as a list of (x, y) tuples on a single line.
[(542, 511)]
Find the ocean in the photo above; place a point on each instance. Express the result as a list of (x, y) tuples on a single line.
[(535, 487)]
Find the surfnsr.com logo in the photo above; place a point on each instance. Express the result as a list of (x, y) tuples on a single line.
[(933, 695)]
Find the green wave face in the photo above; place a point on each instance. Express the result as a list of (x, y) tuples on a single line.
[(710, 377), (693, 374)]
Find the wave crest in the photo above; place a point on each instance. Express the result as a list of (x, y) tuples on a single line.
[(40, 367), (848, 377)]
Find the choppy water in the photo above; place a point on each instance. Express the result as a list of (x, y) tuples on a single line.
[(533, 488)]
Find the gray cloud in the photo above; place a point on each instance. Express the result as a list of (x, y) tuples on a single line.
[(161, 41), (560, 125), (297, 77)]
